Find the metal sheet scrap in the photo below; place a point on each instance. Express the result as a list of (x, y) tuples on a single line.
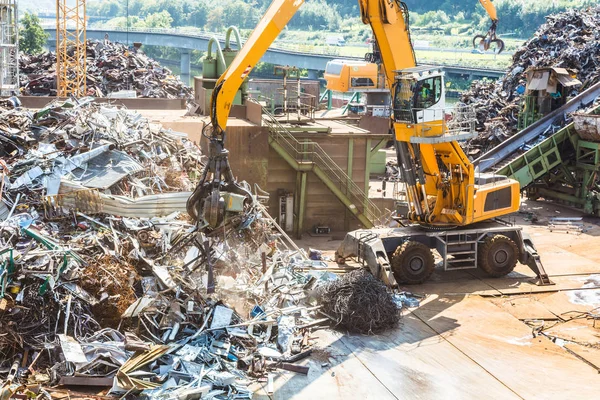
[(104, 280)]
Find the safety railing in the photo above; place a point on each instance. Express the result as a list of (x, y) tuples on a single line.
[(455, 123), (307, 151), (296, 104)]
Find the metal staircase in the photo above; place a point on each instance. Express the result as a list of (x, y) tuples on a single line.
[(309, 156)]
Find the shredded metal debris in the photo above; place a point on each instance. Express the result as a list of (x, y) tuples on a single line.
[(568, 40), (111, 68), (359, 302), (104, 281)]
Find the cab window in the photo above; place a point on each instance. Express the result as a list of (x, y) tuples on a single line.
[(403, 97), (428, 92)]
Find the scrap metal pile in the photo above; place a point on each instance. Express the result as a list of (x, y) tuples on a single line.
[(105, 282), (569, 40), (360, 303), (111, 67)]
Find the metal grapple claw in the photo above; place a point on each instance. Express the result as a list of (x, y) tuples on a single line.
[(207, 205)]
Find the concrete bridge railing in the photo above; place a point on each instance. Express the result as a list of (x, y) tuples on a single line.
[(187, 40)]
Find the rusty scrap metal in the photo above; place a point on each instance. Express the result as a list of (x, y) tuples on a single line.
[(569, 40), (111, 67), (359, 302), (146, 303)]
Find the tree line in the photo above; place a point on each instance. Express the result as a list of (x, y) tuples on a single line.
[(517, 17)]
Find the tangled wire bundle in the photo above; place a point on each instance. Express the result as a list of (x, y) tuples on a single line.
[(360, 303)]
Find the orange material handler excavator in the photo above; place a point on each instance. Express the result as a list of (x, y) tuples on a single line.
[(442, 188)]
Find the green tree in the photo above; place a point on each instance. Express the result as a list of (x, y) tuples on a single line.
[(196, 14), (240, 14), (159, 20), (32, 37), (121, 22), (110, 8), (214, 22)]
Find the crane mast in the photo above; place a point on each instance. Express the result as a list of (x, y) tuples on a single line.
[(71, 48)]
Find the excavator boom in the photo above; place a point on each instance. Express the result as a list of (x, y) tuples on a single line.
[(272, 23), (490, 9), (389, 21), (438, 176)]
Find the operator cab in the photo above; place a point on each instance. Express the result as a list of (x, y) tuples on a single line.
[(420, 112), (419, 95)]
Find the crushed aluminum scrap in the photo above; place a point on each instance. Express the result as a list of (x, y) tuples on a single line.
[(569, 40), (143, 303), (111, 67)]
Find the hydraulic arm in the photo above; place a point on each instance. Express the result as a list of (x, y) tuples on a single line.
[(207, 205), (439, 178)]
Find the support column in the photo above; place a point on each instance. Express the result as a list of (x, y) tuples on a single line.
[(9, 48), (185, 66), (367, 171), (313, 74), (300, 203), (349, 173)]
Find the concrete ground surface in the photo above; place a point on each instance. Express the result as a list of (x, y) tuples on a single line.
[(474, 337)]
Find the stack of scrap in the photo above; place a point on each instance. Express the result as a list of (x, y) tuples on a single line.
[(569, 40), (359, 302), (111, 67), (104, 281)]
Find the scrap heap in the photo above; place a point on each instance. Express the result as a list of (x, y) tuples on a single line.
[(111, 67), (569, 40), (105, 282)]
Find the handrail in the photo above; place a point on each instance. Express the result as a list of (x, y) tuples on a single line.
[(313, 152)]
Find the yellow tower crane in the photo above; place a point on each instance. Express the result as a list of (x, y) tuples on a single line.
[(71, 48)]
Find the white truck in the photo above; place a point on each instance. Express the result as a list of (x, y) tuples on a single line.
[(335, 41)]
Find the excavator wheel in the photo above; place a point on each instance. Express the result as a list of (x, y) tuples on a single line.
[(498, 255), (412, 263)]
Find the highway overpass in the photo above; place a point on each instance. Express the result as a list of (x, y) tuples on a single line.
[(187, 41)]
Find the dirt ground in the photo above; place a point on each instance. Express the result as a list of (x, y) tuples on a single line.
[(475, 337)]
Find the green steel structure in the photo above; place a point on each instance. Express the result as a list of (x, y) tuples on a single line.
[(308, 156), (563, 168)]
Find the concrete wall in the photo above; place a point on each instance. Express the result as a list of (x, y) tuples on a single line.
[(253, 160), (322, 207), (373, 124)]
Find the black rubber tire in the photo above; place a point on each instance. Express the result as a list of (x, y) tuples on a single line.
[(412, 263), (498, 255)]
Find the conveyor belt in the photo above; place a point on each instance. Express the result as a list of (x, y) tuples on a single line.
[(501, 155), (539, 160)]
